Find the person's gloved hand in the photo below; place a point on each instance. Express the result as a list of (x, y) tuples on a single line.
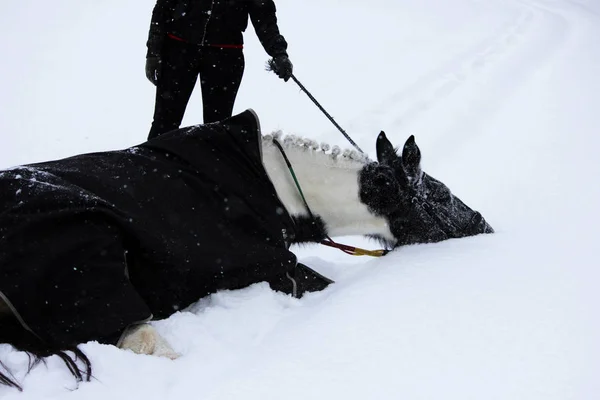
[(282, 66), (153, 67)]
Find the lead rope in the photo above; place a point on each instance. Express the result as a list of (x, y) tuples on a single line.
[(351, 250), (271, 67)]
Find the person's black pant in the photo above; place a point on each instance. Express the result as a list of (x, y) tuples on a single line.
[(220, 71)]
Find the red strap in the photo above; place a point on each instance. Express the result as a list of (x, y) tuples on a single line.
[(228, 46), (175, 37), (221, 46), (354, 251)]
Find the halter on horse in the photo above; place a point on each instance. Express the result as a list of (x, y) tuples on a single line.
[(93, 244)]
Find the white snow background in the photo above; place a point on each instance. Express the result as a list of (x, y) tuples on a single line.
[(503, 98)]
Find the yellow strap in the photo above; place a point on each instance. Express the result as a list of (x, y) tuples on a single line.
[(364, 252)]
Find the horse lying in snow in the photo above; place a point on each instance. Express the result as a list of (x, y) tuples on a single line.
[(94, 246)]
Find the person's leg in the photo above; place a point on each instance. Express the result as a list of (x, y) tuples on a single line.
[(179, 73), (221, 72)]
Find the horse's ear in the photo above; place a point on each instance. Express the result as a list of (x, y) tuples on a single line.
[(385, 150), (411, 157)]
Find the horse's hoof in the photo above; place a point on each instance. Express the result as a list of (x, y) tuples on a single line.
[(144, 339), (163, 349)]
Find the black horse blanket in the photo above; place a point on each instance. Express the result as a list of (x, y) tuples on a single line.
[(96, 242)]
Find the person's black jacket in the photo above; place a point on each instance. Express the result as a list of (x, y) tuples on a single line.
[(215, 22)]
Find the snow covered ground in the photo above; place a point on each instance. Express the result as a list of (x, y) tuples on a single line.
[(502, 96)]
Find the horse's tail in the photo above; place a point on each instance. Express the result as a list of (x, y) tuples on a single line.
[(13, 333), (5, 380)]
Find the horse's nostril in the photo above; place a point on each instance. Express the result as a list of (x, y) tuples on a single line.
[(476, 219), (479, 225), (475, 224)]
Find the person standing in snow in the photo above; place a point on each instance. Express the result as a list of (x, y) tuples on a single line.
[(191, 38)]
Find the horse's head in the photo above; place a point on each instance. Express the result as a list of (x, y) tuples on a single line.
[(419, 208)]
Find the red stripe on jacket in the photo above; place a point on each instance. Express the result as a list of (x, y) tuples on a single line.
[(222, 46)]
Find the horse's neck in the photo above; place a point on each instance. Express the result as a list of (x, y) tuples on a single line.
[(330, 185)]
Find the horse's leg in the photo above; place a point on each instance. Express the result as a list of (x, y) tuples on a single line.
[(75, 265), (144, 339)]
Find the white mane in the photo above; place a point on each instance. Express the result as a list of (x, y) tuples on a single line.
[(323, 153)]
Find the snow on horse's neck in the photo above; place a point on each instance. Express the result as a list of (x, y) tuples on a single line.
[(330, 185)]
